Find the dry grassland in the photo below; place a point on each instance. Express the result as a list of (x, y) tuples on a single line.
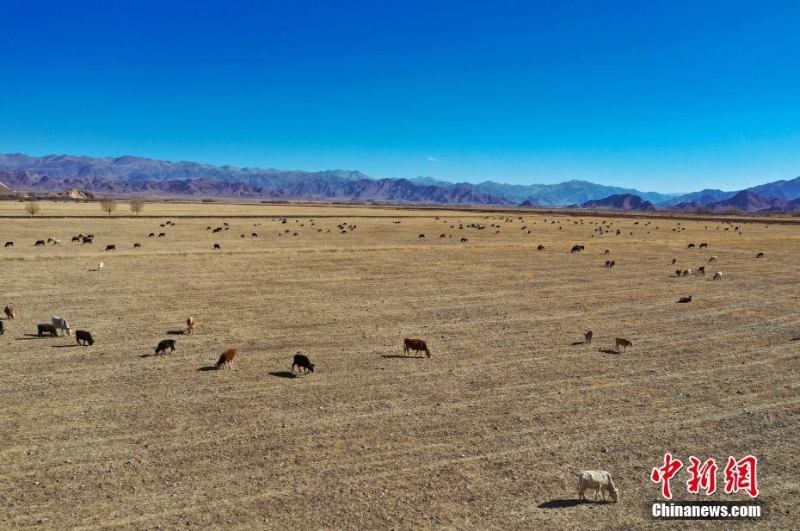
[(487, 434)]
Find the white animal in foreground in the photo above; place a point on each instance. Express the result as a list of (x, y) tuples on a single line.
[(101, 266), (718, 275), (61, 324), (599, 480)]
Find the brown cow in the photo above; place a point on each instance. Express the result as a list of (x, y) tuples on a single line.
[(10, 311), (416, 345), (191, 322)]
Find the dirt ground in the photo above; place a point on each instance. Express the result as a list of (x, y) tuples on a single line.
[(489, 433)]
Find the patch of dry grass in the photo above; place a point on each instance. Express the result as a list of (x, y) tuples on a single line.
[(488, 433)]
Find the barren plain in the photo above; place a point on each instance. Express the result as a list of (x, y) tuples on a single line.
[(489, 433)]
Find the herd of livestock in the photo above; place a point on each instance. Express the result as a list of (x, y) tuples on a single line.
[(597, 480)]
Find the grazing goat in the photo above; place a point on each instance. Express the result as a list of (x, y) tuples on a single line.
[(47, 329), (599, 480), (9, 311), (226, 359), (111, 247), (576, 248), (760, 255), (302, 362), (61, 324), (86, 337), (39, 243), (191, 322), (718, 275), (622, 342), (688, 298), (164, 345), (416, 345), (9, 244), (588, 336)]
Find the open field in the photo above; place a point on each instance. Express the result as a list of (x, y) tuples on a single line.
[(488, 433)]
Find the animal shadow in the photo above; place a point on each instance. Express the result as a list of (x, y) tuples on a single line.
[(559, 504), (609, 351), (64, 346), (176, 332), (578, 343), (29, 336), (402, 356), (284, 374), (208, 368)]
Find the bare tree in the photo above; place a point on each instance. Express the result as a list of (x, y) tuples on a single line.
[(137, 205), (109, 205), (32, 208)]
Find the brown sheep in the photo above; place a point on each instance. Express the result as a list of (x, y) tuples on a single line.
[(226, 359), (416, 345)]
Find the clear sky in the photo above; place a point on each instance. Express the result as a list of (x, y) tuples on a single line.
[(665, 96)]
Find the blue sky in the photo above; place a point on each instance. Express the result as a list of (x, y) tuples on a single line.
[(661, 96)]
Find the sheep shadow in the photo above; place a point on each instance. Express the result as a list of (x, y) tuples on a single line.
[(176, 332), (284, 374), (796, 338), (578, 343), (560, 504), (609, 351), (403, 357), (207, 368), (30, 336), (64, 346)]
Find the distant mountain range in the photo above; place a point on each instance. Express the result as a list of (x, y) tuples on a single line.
[(129, 175)]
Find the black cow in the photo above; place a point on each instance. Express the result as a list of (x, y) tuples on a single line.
[(39, 243), (540, 247), (302, 361), (88, 240), (111, 247), (464, 240), (161, 234), (216, 246), (137, 245), (2, 330), (9, 244), (576, 248), (421, 236), (83, 335), (164, 345), (47, 329), (151, 235)]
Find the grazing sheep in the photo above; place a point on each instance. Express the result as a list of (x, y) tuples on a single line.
[(151, 235), (588, 336), (701, 270), (576, 248), (622, 342), (191, 322), (164, 345), (9, 311), (688, 298), (162, 234), (88, 240), (599, 480), (47, 329), (687, 272), (464, 240), (9, 244), (416, 345), (61, 324), (718, 275), (760, 255), (76, 238), (226, 359), (712, 259), (302, 362), (607, 251), (608, 263), (678, 272), (83, 335)]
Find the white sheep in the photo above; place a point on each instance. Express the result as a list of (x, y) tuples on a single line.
[(718, 275), (599, 480)]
